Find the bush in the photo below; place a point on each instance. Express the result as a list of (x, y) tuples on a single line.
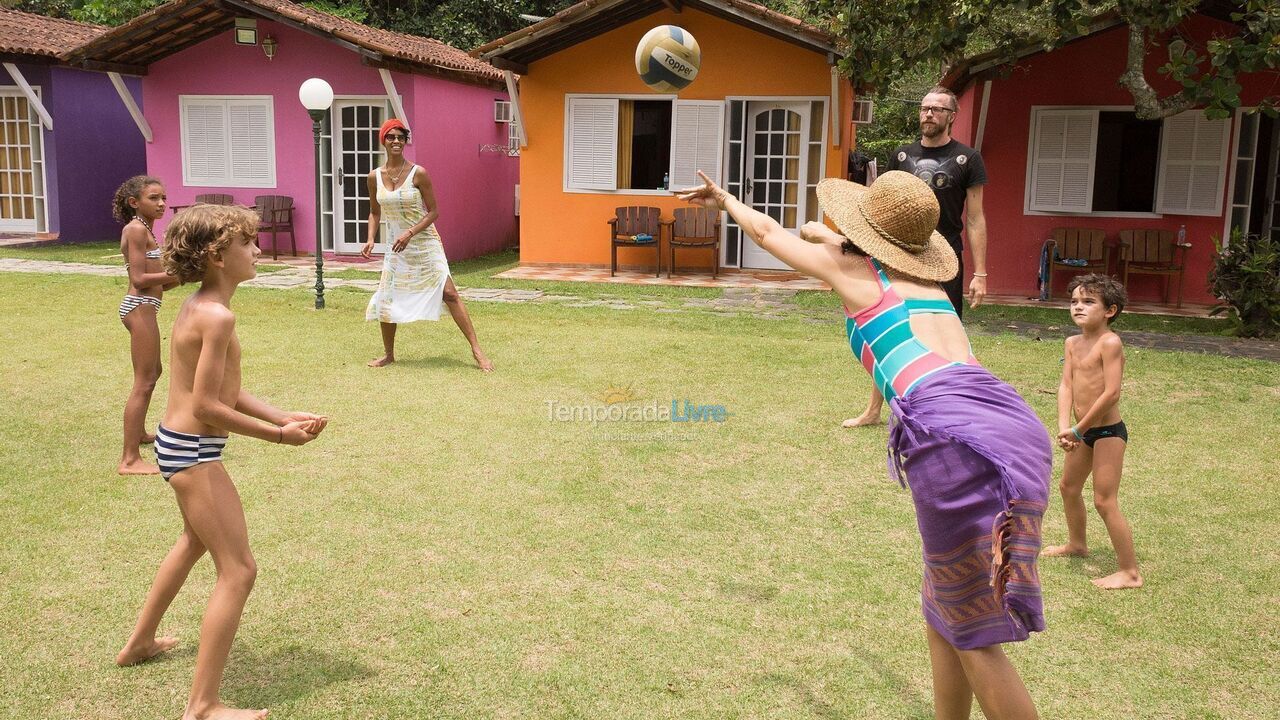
[(881, 149), (1246, 277)]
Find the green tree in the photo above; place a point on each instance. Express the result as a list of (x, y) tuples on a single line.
[(889, 37)]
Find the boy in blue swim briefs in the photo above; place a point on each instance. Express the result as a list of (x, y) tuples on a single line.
[(1092, 371)]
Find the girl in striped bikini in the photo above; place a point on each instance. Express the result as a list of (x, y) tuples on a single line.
[(976, 458), (138, 203)]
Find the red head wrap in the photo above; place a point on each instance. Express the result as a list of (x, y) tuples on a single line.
[(387, 127)]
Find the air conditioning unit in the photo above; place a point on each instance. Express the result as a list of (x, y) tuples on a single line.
[(502, 111), (863, 111)]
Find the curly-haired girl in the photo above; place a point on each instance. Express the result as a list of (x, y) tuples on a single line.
[(138, 203)]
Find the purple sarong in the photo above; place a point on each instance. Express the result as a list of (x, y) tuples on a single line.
[(978, 463)]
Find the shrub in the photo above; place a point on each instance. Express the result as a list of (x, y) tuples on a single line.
[(1246, 277)]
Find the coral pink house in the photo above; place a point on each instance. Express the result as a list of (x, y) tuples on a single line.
[(1063, 149), (225, 118)]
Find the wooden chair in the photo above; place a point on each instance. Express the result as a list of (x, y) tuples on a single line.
[(215, 199), (1152, 252), (275, 215), (695, 228), (1076, 244), (629, 222), (208, 199)]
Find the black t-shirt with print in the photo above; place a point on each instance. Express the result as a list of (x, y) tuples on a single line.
[(950, 170)]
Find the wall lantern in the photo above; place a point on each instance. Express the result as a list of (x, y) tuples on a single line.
[(269, 46)]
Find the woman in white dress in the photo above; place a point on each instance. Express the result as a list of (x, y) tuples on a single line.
[(415, 273)]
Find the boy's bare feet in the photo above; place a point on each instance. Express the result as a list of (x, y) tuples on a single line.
[(1064, 551), (222, 712), (147, 439), (137, 467), (383, 361), (482, 360), (1120, 580), (132, 655), (863, 420)]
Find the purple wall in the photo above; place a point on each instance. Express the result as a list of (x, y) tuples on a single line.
[(450, 121), (94, 146)]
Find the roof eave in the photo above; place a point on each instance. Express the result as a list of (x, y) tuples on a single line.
[(506, 50)]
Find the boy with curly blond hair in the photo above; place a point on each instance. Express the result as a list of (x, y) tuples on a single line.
[(215, 246)]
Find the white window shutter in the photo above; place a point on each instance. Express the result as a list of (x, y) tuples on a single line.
[(228, 141), (592, 158), (696, 141), (252, 143), (1193, 164), (204, 136), (1062, 160)]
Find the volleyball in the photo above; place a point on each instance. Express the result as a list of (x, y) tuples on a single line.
[(668, 58)]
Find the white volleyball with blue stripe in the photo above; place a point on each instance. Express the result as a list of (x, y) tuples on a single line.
[(668, 58)]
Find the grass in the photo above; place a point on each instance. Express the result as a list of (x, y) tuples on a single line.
[(447, 550), (479, 273), (106, 252)]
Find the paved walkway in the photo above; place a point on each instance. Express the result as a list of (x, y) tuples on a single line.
[(757, 301)]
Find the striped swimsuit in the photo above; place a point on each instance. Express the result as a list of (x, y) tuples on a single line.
[(881, 338), (177, 451), (131, 302), (977, 461)]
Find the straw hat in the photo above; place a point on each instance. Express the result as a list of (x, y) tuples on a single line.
[(893, 221)]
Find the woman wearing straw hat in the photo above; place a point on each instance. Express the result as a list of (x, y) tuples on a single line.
[(976, 457)]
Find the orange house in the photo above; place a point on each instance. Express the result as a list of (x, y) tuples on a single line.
[(767, 117)]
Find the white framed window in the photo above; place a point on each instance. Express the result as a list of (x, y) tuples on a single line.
[(228, 141), (636, 144), (1105, 161)]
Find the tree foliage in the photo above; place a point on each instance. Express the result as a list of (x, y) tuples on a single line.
[(98, 12), (889, 37)]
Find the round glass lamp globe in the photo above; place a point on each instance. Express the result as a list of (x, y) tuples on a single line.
[(315, 94)]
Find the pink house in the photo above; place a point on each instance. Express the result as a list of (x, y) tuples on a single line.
[(220, 114), (1063, 148)]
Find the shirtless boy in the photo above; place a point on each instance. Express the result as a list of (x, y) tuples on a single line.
[(1092, 372), (214, 245)]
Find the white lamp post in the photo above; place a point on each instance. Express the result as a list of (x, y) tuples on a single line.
[(316, 97)]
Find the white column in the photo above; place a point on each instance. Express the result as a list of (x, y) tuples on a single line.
[(127, 98), (514, 92), (396, 107), (32, 98)]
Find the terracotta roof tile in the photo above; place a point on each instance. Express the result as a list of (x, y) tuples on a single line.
[(410, 49), (402, 46), (27, 34)]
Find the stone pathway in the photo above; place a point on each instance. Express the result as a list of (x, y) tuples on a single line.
[(758, 302)]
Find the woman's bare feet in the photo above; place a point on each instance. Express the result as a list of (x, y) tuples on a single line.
[(862, 420), (134, 654), (1067, 550), (222, 712), (383, 361), (482, 360), (137, 467), (1120, 580)]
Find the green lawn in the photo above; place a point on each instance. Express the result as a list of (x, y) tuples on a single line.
[(446, 550)]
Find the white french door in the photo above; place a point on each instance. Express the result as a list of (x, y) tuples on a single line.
[(776, 169), (356, 152), (22, 196)]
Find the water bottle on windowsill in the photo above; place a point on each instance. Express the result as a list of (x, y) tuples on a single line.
[(666, 181)]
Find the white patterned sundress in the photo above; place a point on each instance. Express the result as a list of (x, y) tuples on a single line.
[(412, 284)]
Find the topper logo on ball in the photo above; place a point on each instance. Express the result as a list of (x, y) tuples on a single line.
[(668, 58)]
